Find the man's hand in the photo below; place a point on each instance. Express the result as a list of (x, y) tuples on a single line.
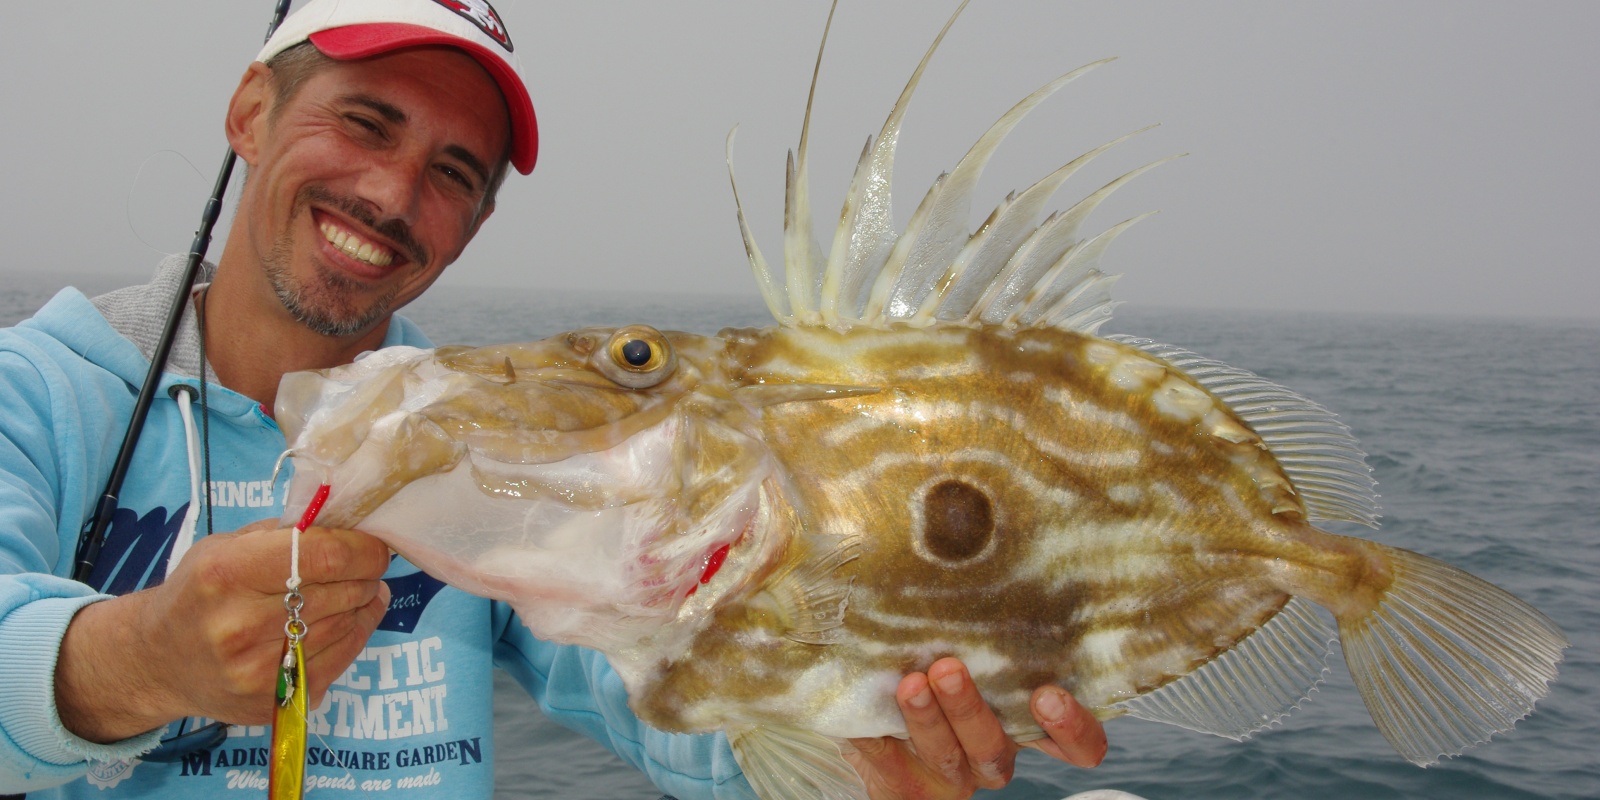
[(957, 745), (208, 641)]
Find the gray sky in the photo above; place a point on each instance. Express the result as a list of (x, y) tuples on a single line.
[(1427, 157)]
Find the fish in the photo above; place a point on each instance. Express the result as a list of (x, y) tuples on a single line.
[(931, 453)]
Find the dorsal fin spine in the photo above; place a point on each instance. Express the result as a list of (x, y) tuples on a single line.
[(800, 248), (765, 281), (937, 244), (979, 240), (1093, 298), (1077, 275), (798, 251), (1043, 250), (839, 301), (1069, 273), (865, 234), (883, 288), (934, 270), (979, 274)]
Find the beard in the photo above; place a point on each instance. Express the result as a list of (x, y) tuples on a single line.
[(326, 303)]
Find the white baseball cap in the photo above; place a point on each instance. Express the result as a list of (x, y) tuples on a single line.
[(345, 30)]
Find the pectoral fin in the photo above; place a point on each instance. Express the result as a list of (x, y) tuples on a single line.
[(809, 595), (791, 764)]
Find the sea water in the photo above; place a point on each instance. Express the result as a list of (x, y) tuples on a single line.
[(1484, 435)]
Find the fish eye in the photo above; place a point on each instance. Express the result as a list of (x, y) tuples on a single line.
[(637, 357), (637, 352)]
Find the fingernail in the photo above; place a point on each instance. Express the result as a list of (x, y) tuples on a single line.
[(950, 684), (1050, 707), (921, 699), (384, 593)]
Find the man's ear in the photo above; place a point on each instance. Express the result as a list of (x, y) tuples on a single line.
[(247, 111)]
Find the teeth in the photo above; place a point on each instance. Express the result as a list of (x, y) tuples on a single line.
[(354, 247)]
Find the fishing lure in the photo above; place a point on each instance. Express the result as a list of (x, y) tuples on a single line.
[(288, 777)]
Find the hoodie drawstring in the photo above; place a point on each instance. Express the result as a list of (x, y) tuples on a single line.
[(185, 537)]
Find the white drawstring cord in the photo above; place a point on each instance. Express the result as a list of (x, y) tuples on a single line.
[(185, 536)]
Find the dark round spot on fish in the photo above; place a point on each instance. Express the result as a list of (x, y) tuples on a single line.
[(957, 521), (636, 352)]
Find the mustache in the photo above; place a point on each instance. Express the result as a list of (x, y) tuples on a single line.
[(395, 230)]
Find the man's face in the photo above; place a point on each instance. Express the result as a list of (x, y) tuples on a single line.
[(369, 181)]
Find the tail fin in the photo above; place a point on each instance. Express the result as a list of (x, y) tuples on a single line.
[(1446, 659)]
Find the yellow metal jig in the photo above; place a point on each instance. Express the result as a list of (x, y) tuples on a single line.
[(287, 779)]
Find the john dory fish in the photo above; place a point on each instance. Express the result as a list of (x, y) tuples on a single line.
[(931, 454)]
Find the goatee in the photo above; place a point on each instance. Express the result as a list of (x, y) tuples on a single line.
[(326, 303)]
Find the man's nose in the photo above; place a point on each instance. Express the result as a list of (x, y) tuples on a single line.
[(393, 186)]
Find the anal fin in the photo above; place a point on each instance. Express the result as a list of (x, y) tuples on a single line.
[(1251, 686), (791, 764)]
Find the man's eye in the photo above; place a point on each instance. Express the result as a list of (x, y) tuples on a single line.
[(364, 123), (456, 176)]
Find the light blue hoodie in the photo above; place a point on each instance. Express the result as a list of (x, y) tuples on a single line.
[(411, 716)]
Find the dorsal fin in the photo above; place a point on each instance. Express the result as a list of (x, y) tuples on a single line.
[(991, 248), (866, 236), (1319, 454), (1042, 259), (935, 271), (940, 234)]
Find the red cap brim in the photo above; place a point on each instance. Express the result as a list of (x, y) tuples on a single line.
[(362, 41)]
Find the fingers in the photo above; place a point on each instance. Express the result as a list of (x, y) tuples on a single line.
[(990, 754), (326, 601), (258, 559), (330, 554), (335, 640), (345, 598), (326, 554), (227, 600), (1075, 736), (957, 743), (930, 732), (884, 765)]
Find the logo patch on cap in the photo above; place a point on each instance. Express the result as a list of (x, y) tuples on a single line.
[(483, 15)]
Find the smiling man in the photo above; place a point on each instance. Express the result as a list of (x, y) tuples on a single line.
[(376, 133)]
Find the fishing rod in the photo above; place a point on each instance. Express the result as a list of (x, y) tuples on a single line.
[(93, 537)]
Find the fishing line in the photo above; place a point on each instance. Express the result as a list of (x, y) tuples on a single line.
[(127, 211)]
